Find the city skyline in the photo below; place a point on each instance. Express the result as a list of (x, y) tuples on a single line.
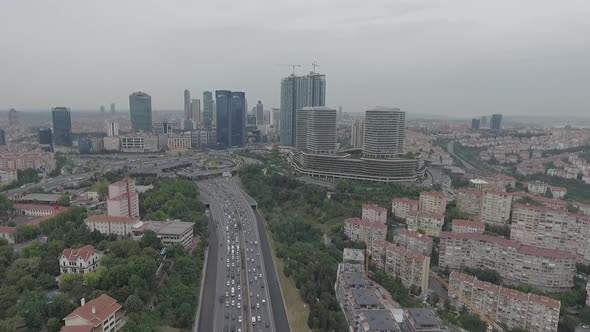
[(445, 58)]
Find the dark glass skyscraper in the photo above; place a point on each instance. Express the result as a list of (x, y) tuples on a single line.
[(140, 106), (62, 126), (496, 122), (2, 137), (45, 136), (231, 118), (475, 123), (207, 109), (259, 113)]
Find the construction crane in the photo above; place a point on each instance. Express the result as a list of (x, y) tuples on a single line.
[(491, 325), (293, 65)]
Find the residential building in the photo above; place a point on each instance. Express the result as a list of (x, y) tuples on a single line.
[(548, 228), (8, 176), (37, 210), (364, 230), (102, 314), (501, 181), (431, 201), (414, 241), (62, 126), (537, 187), (140, 107), (546, 269), (139, 143), (421, 320), (374, 213), (81, 261), (169, 232), (469, 202), (468, 226), (298, 92), (495, 206), (112, 128), (7, 233), (179, 142), (401, 206), (316, 130), (123, 200), (428, 222), (385, 133), (231, 118), (518, 310), (357, 133), (411, 267), (121, 226), (478, 184)]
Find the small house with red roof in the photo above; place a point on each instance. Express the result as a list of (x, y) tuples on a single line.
[(81, 260), (103, 314)]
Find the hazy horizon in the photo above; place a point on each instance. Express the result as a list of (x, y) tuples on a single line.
[(454, 58)]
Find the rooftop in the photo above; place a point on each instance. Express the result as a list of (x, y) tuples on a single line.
[(38, 207), (478, 181), (415, 235), (433, 193), (364, 296), (73, 254), (121, 220), (426, 214), (50, 198), (7, 229), (350, 254), (374, 207), (165, 227), (423, 317), (96, 311), (378, 320), (405, 200), (468, 223)]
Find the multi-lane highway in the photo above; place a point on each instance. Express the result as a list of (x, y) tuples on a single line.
[(242, 301)]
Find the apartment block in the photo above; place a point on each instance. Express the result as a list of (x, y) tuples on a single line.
[(516, 309), (551, 229), (495, 206), (414, 241), (434, 202), (123, 200), (429, 222), (469, 202), (19, 160), (552, 203), (82, 260), (546, 269), (364, 230), (401, 206), (467, 226), (375, 213), (121, 226), (411, 267)]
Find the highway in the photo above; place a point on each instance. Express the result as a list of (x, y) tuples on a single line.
[(242, 301)]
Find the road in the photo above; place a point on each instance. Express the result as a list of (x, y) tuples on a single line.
[(205, 323), (450, 150), (240, 284)]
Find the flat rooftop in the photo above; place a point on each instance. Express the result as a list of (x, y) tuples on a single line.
[(378, 320), (50, 198), (364, 296), (166, 227), (355, 255)]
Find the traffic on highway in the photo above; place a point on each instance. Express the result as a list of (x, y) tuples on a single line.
[(242, 290)]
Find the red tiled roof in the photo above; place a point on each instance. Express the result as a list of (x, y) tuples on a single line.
[(77, 328), (496, 190), (122, 220), (374, 207), (426, 214), (123, 182), (104, 306), (499, 178), (366, 223), (549, 253), (469, 191), (433, 193), (544, 301), (85, 252), (468, 223), (416, 235), (462, 277), (7, 229), (406, 201), (38, 207)]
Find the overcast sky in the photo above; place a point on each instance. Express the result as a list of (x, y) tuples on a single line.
[(454, 57)]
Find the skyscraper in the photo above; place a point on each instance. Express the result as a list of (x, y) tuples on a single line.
[(298, 92), (102, 109), (45, 136), (385, 133), (196, 112), (275, 117), (207, 109), (140, 106), (188, 113), (12, 117), (357, 133), (62, 126), (259, 113), (483, 122), (231, 118), (2, 137), (496, 122), (112, 108), (316, 130), (475, 123), (112, 128)]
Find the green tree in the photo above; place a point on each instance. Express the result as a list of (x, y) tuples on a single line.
[(5, 203), (134, 304), (150, 239), (472, 323), (53, 325)]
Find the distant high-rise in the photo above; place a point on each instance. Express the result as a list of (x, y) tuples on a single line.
[(62, 126), (298, 92), (12, 117), (496, 122), (259, 113), (102, 109), (112, 128), (357, 133), (231, 118), (196, 112), (385, 133), (316, 130), (140, 106), (483, 122), (475, 123), (2, 137), (45, 136), (208, 109), (275, 117), (188, 113), (112, 108)]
